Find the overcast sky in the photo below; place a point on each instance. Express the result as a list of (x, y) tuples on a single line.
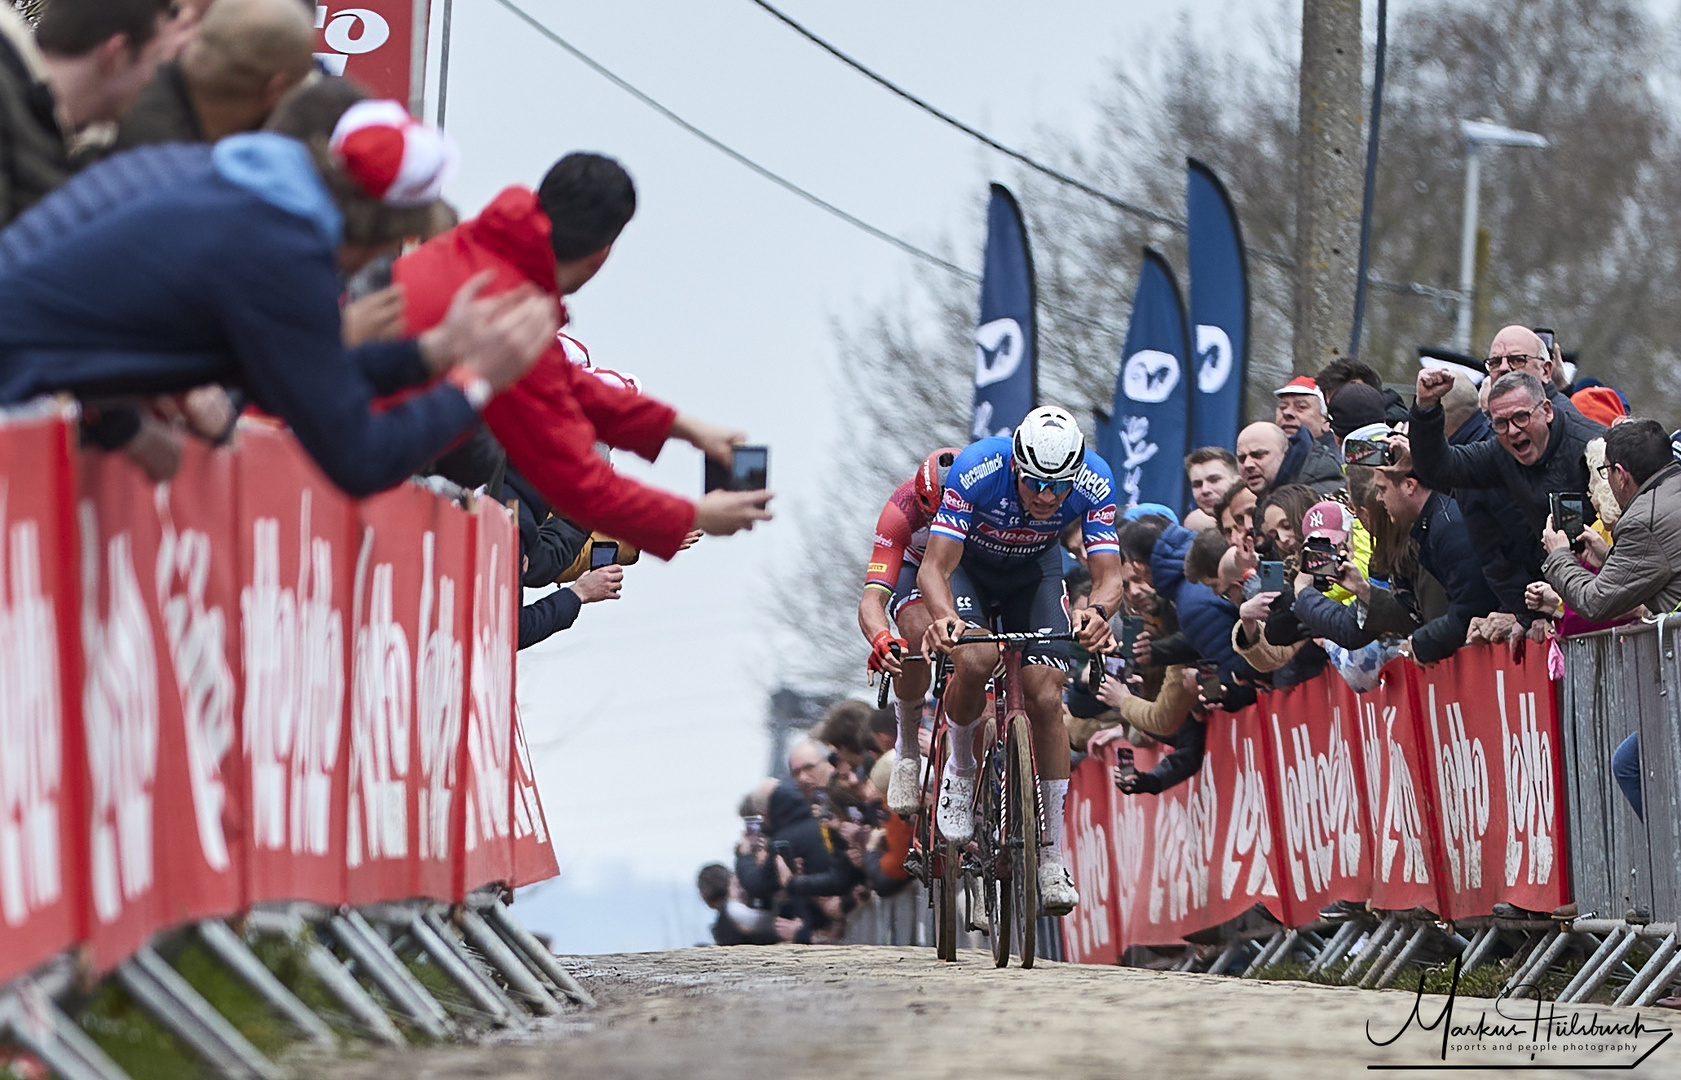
[(646, 719)]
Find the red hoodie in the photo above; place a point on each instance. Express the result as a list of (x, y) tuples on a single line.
[(550, 420)]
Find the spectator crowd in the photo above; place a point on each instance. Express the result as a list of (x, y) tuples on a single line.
[(1507, 503), (200, 230)]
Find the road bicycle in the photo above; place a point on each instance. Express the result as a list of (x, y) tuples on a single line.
[(1001, 861)]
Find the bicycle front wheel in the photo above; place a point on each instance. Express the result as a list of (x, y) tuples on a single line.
[(1022, 798)]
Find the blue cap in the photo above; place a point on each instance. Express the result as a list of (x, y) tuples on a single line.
[(1138, 510)]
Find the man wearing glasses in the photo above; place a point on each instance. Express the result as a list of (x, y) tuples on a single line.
[(992, 553), (1537, 447), (1518, 348)]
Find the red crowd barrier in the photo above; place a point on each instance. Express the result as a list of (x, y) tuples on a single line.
[(243, 686), (1438, 789)]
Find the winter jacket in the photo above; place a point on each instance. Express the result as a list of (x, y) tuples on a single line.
[(1205, 617), (1179, 766), (1644, 566), (34, 160), (547, 616), (169, 267), (1308, 461), (1446, 552), (163, 113), (1509, 552), (550, 420), (1163, 716), (1488, 465), (1262, 654)]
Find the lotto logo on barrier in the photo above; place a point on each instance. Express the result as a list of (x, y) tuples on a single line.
[(373, 42), (40, 695), (1089, 934), (240, 687), (1438, 789)]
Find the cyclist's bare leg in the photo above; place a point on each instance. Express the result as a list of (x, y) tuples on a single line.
[(911, 686), (1041, 688), (965, 699)]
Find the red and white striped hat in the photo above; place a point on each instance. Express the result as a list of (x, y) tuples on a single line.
[(392, 156)]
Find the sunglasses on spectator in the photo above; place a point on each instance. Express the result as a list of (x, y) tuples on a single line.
[(1514, 360), (1055, 487), (1518, 419)]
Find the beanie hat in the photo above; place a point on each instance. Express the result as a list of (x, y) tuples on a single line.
[(1600, 404), (392, 156), (1355, 406)]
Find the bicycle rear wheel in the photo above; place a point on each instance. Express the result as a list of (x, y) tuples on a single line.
[(1022, 797)]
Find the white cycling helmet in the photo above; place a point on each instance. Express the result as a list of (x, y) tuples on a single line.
[(1048, 444)]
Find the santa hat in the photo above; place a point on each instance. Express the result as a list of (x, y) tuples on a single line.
[(392, 156), (1304, 384)]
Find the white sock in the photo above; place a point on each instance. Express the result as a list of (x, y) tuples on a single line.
[(910, 722), (963, 747), (1053, 793)]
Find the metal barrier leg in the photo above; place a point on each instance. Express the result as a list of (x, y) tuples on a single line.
[(1599, 966), (37, 1025), (460, 969), (1546, 951), (162, 991), (1264, 957), (1656, 988), (1391, 948), (1218, 967), (368, 1014), (227, 947), (1481, 942), (1403, 957), (1649, 971), (509, 966), (526, 942), (1345, 935), (376, 960), (1374, 946)]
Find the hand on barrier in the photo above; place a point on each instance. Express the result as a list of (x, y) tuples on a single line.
[(155, 448), (723, 513)]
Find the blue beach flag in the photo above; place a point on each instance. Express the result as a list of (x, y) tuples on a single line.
[(1148, 436), (1219, 308), (1007, 336)]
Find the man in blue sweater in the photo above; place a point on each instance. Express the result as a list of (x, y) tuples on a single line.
[(171, 267)]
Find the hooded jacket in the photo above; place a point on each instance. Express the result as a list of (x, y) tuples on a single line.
[(170, 267), (1644, 566), (550, 420), (1487, 464), (1311, 462)]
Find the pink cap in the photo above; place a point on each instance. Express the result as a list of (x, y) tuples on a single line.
[(1330, 520)]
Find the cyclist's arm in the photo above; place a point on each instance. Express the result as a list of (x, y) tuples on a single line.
[(872, 611), (1106, 582), (933, 579)]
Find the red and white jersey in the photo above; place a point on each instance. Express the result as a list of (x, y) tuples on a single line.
[(901, 537)]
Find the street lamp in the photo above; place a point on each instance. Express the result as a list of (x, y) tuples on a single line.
[(1477, 134)]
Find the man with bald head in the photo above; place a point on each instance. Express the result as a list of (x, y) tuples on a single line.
[(1518, 348), (1268, 458), (242, 58)]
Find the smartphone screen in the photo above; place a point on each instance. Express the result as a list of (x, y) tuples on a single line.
[(603, 553), (1272, 575), (750, 468), (1546, 337), (1131, 627)]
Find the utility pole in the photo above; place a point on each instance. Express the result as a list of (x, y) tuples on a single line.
[(1330, 162)]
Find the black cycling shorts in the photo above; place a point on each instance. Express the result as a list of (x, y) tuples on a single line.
[(905, 593), (1029, 598)]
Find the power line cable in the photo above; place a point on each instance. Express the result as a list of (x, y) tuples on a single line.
[(741, 159), (1281, 261), (780, 181)]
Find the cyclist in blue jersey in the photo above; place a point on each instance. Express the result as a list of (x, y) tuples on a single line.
[(993, 554)]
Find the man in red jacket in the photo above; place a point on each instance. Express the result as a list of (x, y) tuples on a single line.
[(556, 238)]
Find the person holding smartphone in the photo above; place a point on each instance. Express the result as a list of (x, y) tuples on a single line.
[(549, 615)]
